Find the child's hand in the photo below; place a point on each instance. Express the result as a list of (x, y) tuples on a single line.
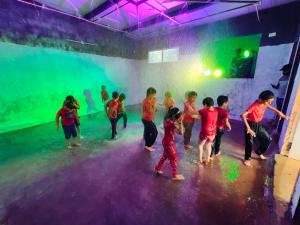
[(251, 132), (228, 128), (282, 116)]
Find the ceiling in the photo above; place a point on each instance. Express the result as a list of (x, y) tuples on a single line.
[(142, 17)]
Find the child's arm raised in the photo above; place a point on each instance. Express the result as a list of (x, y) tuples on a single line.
[(249, 130), (277, 111), (76, 104)]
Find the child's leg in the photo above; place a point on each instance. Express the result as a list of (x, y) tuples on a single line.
[(187, 132), (125, 119), (67, 132), (248, 145), (201, 144), (217, 142), (147, 133), (68, 143), (264, 139), (74, 135), (160, 164), (153, 133), (113, 122), (173, 161), (208, 151)]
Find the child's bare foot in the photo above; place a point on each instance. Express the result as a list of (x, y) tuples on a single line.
[(150, 149), (205, 163), (199, 163), (69, 147), (158, 172), (219, 153), (262, 157), (188, 147), (77, 144), (212, 158), (247, 163), (178, 177)]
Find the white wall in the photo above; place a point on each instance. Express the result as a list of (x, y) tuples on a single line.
[(291, 129), (183, 75)]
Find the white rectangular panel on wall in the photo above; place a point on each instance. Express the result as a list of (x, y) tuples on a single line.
[(155, 56), (170, 55)]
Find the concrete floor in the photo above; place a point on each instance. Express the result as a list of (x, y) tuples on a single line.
[(112, 182)]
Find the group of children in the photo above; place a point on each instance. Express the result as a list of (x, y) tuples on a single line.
[(214, 120), (114, 109)]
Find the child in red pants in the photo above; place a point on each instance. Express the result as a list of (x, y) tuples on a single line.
[(172, 124)]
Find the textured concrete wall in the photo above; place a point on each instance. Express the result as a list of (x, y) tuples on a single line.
[(28, 25)]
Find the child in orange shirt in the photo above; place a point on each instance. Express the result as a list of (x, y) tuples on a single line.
[(122, 110), (148, 114), (104, 94), (111, 109), (188, 121)]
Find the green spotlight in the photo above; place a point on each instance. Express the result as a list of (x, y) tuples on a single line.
[(246, 54), (218, 73), (207, 73)]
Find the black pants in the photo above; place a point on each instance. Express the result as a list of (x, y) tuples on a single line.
[(262, 136), (217, 142), (150, 132), (188, 128), (113, 122), (120, 115)]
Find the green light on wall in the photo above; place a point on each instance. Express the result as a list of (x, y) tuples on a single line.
[(246, 54), (218, 73)]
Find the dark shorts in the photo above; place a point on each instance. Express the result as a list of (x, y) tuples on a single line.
[(70, 130)]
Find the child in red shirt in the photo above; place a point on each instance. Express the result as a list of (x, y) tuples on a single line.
[(188, 120), (104, 94), (223, 120), (76, 106), (111, 109), (252, 118), (68, 115), (148, 114), (209, 119), (122, 110), (172, 124)]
